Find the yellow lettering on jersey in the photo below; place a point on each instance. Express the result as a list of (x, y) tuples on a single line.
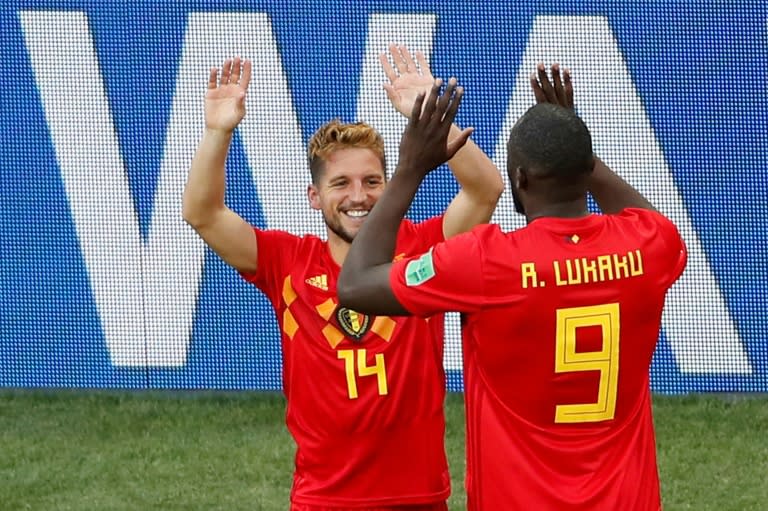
[(635, 263), (318, 281), (349, 369), (558, 279), (606, 360), (376, 369), (528, 271), (363, 369), (573, 271), (621, 266), (590, 269), (605, 268), (600, 268)]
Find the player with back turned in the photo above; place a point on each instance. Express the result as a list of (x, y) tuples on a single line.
[(560, 318)]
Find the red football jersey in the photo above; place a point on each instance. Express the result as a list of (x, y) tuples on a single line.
[(561, 321), (365, 393)]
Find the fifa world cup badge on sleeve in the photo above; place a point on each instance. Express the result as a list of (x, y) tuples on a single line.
[(419, 270)]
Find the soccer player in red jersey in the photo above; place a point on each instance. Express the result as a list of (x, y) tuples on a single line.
[(364, 392), (560, 318)]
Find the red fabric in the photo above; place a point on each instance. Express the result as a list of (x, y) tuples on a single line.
[(520, 304), (442, 506), (374, 449)]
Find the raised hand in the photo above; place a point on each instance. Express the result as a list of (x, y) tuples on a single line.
[(406, 79), (556, 91), (424, 144), (225, 97)]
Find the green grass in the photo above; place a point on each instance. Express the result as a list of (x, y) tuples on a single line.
[(201, 451)]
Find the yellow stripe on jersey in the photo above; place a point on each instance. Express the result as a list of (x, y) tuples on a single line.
[(332, 335), (383, 326), (326, 309), (290, 326), (289, 295)]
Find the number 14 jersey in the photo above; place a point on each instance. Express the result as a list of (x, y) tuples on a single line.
[(364, 393)]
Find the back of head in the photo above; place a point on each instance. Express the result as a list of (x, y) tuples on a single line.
[(335, 135), (550, 141)]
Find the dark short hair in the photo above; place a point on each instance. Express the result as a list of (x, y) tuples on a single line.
[(551, 141)]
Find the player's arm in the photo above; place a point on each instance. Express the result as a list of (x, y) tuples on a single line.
[(610, 191), (364, 284), (203, 208), (480, 181)]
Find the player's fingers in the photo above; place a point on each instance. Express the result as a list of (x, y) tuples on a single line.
[(234, 77), (453, 107), (557, 83), (389, 71), (245, 78), (458, 142), (431, 105), (423, 64), (546, 85), (536, 88), (416, 110), (397, 58), (568, 88), (409, 62), (213, 78), (226, 70), (445, 99)]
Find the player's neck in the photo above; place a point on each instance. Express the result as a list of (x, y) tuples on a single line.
[(338, 248), (566, 209)]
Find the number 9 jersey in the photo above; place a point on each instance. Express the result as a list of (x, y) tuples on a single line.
[(561, 319), (364, 393)]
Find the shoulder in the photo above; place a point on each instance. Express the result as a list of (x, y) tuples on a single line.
[(643, 216), (648, 222), (409, 227)]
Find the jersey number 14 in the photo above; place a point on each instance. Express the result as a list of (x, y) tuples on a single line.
[(378, 369)]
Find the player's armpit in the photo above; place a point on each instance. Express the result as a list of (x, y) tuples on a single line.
[(232, 238)]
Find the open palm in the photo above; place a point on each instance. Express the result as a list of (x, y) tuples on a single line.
[(406, 79), (225, 97)]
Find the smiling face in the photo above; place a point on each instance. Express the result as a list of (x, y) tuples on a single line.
[(348, 177), (351, 182)]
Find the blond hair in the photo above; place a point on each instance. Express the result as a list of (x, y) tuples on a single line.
[(335, 135)]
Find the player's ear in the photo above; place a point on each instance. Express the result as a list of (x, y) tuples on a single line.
[(314, 197), (520, 178)]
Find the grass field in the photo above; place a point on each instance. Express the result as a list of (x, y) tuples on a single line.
[(202, 451)]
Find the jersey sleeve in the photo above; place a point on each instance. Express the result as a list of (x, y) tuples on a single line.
[(673, 254), (420, 237), (454, 275), (277, 252)]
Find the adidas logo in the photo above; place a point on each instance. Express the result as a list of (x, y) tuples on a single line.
[(319, 281)]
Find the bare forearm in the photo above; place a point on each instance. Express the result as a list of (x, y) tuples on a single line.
[(378, 234), (477, 175), (612, 193), (204, 192), (363, 280)]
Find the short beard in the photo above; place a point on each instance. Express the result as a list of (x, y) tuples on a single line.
[(339, 231)]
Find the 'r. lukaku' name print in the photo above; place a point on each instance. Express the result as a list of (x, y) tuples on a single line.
[(586, 270)]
